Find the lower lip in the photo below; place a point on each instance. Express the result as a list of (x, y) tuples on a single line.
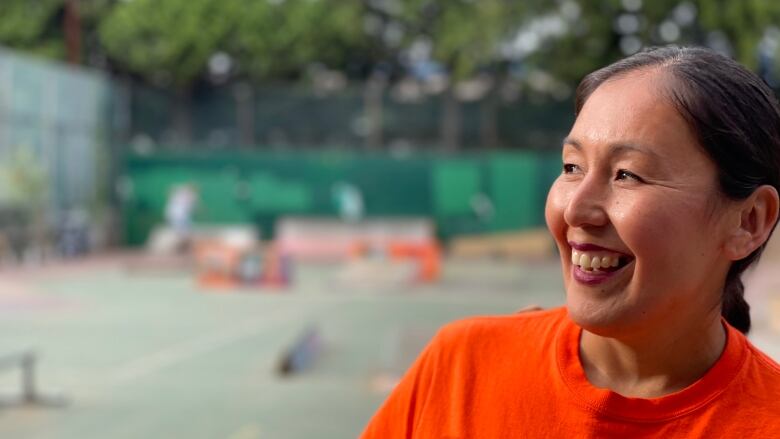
[(591, 277)]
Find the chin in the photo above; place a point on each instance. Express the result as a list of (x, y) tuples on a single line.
[(602, 319)]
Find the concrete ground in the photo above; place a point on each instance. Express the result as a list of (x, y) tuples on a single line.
[(146, 353)]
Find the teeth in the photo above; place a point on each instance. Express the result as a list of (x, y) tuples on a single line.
[(584, 261), (587, 262)]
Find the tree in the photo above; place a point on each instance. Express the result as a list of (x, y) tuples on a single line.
[(465, 37), (744, 24), (27, 26), (171, 42), (279, 39), (41, 28), (168, 43), (608, 30)]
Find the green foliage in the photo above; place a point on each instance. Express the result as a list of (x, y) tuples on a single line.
[(26, 25), (594, 41), (279, 39), (24, 181), (743, 22), (465, 33), (269, 39), (36, 26), (170, 39)]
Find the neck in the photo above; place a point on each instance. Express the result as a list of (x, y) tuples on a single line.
[(656, 363)]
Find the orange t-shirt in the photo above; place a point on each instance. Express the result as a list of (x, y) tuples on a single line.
[(520, 376)]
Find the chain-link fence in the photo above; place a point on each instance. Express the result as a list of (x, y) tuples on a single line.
[(55, 160), (65, 133), (290, 116)]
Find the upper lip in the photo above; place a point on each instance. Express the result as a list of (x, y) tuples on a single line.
[(586, 246)]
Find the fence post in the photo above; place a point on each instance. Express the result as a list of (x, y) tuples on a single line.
[(374, 101), (28, 378)]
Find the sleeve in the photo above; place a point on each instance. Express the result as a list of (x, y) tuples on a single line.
[(400, 413)]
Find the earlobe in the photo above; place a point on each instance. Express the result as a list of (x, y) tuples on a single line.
[(758, 216)]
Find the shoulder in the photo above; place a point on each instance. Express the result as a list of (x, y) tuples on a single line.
[(771, 365), (760, 383), (527, 320), (767, 368), (756, 397)]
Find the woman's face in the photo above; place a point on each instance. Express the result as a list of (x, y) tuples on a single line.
[(638, 200)]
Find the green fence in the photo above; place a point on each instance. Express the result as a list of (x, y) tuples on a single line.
[(298, 116), (466, 193), (58, 117)]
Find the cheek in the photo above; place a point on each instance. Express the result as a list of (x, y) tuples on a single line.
[(654, 228), (639, 217), (557, 200)]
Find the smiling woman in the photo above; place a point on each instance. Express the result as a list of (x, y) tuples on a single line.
[(668, 192)]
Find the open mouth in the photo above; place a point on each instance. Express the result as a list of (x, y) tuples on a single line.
[(599, 261)]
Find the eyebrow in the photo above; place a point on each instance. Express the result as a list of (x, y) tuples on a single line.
[(616, 148)]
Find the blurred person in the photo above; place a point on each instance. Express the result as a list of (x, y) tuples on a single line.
[(349, 201), (73, 233), (180, 206), (179, 209), (669, 191)]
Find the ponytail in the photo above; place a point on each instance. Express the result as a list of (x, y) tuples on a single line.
[(735, 309)]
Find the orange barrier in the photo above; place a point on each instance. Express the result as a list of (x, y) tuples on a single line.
[(330, 239), (219, 266), (276, 269), (216, 264), (427, 254)]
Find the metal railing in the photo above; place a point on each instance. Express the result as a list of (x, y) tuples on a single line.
[(26, 361)]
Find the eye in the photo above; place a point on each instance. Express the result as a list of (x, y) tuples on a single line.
[(623, 174), (569, 168)]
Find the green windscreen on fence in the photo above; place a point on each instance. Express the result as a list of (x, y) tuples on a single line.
[(462, 194), (515, 190), (455, 184)]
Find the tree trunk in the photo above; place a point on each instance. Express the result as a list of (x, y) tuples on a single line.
[(488, 128), (121, 123), (72, 31), (182, 117), (245, 113)]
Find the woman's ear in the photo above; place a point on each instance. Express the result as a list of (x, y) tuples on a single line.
[(758, 215)]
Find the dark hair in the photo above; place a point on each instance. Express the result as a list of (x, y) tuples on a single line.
[(736, 119)]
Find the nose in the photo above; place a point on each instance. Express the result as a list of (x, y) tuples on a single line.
[(586, 204)]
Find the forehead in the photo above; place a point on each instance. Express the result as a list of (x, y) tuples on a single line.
[(633, 109)]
